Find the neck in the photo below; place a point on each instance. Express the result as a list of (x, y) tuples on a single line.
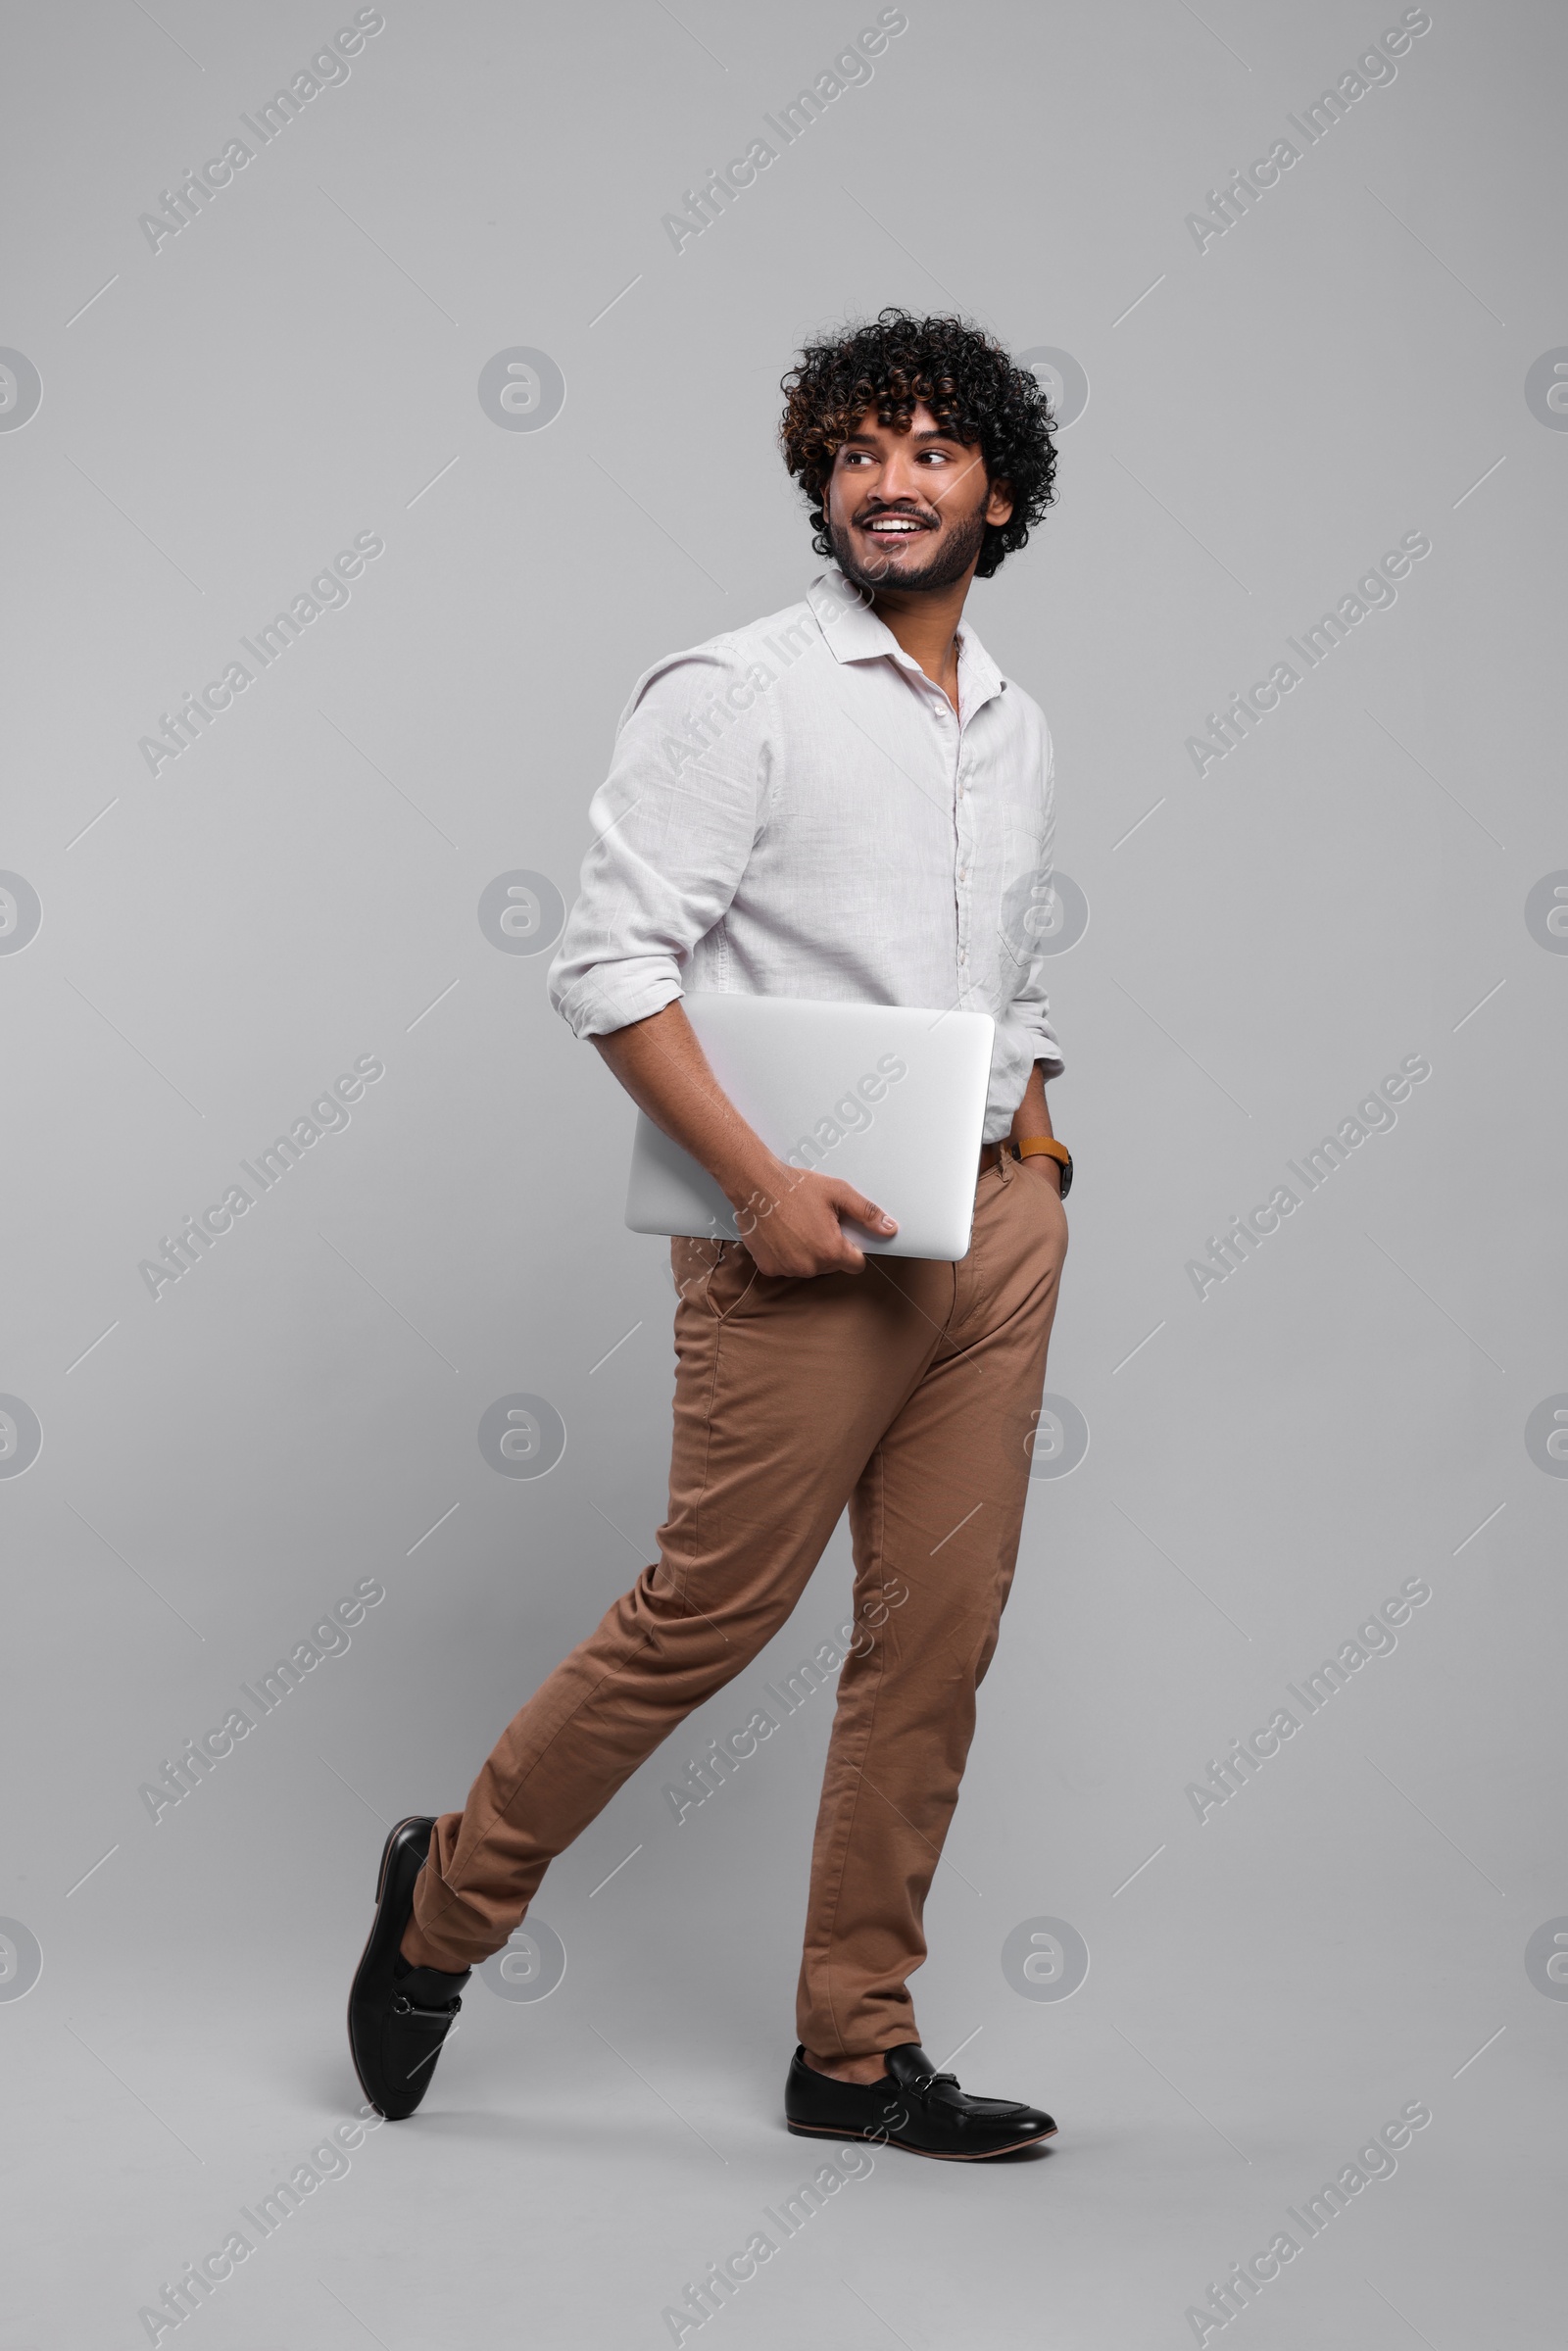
[(925, 623)]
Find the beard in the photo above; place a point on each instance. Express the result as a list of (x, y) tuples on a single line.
[(948, 559)]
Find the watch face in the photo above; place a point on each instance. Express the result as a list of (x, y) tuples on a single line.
[(1066, 1176)]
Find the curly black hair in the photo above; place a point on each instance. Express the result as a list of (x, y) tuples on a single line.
[(970, 385)]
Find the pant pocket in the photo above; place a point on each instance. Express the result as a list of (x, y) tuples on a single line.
[(718, 1276), (693, 1264)]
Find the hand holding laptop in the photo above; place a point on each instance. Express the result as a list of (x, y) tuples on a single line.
[(789, 1217), (816, 1131)]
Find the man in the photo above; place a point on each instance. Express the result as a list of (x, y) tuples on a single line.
[(845, 800)]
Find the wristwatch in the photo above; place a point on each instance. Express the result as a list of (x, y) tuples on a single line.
[(1047, 1147)]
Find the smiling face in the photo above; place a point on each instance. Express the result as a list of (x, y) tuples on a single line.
[(908, 508)]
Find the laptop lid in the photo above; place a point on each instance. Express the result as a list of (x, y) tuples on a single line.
[(891, 1098)]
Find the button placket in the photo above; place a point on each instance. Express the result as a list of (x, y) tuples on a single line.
[(964, 856)]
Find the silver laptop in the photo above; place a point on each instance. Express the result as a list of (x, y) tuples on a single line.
[(889, 1097)]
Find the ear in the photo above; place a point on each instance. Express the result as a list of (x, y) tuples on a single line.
[(998, 506)]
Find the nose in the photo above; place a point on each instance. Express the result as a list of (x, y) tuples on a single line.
[(899, 483)]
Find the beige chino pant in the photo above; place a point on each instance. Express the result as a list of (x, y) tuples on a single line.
[(908, 1393)]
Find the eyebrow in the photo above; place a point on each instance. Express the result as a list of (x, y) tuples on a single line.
[(868, 441)]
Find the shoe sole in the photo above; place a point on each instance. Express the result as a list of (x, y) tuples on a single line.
[(393, 1835), (934, 2154)]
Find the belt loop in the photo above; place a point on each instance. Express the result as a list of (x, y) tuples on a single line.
[(1004, 1160)]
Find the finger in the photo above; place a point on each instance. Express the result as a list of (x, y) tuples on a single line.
[(835, 1250), (850, 1203)]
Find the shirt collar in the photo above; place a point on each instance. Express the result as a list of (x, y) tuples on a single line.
[(852, 632)]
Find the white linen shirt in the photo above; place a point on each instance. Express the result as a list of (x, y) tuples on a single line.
[(793, 808)]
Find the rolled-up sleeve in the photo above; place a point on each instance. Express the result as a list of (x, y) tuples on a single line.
[(674, 825), (1026, 1024)]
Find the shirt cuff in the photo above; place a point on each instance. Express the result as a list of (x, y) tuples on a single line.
[(1042, 1047), (612, 998)]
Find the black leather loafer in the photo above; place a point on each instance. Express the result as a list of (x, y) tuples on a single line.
[(398, 2015), (915, 2108)]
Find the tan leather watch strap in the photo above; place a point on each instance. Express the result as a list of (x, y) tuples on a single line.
[(1031, 1147), (1047, 1147)]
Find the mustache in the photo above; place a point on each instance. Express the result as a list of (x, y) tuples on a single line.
[(904, 514)]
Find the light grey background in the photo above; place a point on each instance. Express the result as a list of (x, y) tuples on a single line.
[(301, 364)]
